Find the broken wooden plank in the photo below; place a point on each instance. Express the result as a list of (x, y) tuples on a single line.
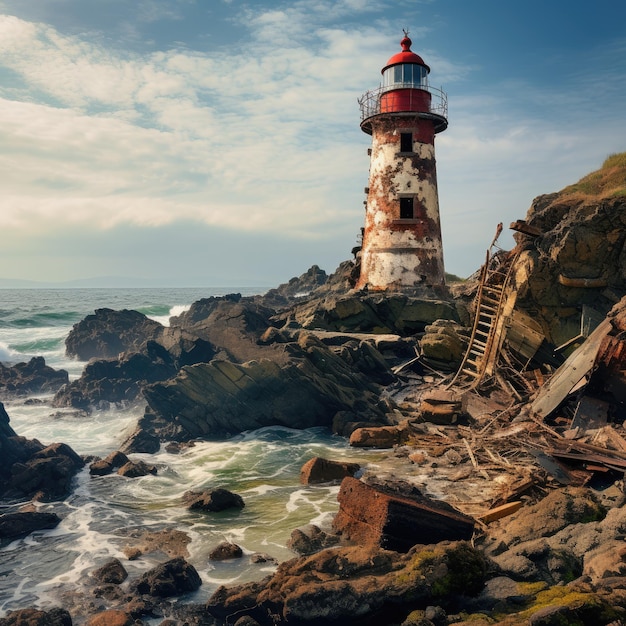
[(583, 447), (515, 490), (618, 442), (471, 453), (524, 335), (500, 511), (522, 226), (590, 458), (573, 371)]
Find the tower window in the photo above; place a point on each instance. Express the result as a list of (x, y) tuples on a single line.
[(406, 208), (411, 75), (406, 142)]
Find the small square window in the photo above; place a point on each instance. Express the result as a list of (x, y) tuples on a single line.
[(406, 208), (406, 142)]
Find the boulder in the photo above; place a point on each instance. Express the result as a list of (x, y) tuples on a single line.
[(112, 572), (355, 585), (185, 348), (225, 551), (390, 313), (119, 380), (396, 521), (309, 539), (566, 606), (143, 439), (567, 534), (212, 500), (346, 422), (320, 470), (135, 469), (111, 618), (379, 436), (297, 287), (362, 352), (560, 508), (222, 398), (263, 558), (441, 406), (37, 617), (442, 344), (5, 430), (172, 578), (29, 469), (20, 524), (32, 377), (112, 462), (107, 333), (231, 323), (364, 357), (171, 542), (501, 592)]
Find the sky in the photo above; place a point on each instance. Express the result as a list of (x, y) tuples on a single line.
[(217, 142)]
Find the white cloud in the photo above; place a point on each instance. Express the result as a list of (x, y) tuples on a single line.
[(229, 139)]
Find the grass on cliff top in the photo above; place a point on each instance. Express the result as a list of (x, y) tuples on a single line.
[(453, 278), (607, 182)]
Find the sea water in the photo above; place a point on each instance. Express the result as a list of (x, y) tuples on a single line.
[(104, 514)]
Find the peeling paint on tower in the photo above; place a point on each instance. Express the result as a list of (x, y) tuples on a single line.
[(402, 248)]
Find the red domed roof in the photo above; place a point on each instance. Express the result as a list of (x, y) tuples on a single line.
[(406, 56)]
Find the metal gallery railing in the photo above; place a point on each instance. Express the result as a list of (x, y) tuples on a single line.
[(371, 102)]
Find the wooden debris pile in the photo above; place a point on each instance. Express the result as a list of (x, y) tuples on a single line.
[(523, 431)]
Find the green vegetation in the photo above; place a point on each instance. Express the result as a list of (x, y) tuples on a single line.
[(607, 182), (615, 160), (453, 278), (466, 572)]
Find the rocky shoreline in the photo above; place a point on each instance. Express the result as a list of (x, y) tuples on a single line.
[(523, 520)]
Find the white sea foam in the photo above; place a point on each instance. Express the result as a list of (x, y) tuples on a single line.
[(260, 490), (175, 311), (7, 354), (99, 433), (262, 466)]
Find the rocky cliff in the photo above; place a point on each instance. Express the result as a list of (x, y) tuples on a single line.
[(575, 257)]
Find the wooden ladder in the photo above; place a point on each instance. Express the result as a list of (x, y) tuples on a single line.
[(487, 331)]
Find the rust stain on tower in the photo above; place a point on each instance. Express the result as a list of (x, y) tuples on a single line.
[(402, 248)]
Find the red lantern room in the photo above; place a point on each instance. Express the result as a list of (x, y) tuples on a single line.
[(402, 248), (404, 89)]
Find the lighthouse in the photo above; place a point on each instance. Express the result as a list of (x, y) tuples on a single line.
[(402, 249)]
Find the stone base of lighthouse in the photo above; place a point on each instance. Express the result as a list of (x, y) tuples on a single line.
[(397, 270)]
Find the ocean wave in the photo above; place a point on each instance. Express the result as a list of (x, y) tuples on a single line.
[(174, 311), (22, 344), (8, 354), (38, 320)]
